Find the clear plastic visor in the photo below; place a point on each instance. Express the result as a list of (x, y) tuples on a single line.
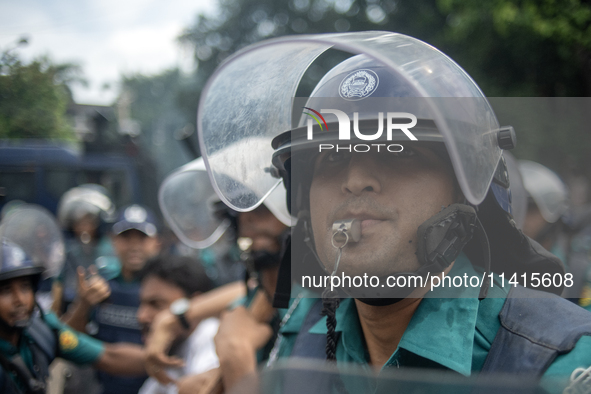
[(188, 202), (248, 102)]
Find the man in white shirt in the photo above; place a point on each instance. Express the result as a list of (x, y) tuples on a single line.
[(168, 282)]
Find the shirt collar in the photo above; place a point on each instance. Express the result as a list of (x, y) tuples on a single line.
[(10, 350), (441, 329)]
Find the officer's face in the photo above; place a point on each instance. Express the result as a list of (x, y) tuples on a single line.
[(262, 227), (17, 300), (155, 296), (86, 225), (133, 249), (391, 193)]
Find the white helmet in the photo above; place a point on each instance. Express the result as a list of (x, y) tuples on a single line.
[(546, 189)]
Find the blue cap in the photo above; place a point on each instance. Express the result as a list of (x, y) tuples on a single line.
[(136, 217)]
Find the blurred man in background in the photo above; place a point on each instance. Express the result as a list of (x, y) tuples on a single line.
[(168, 283), (107, 309), (260, 233)]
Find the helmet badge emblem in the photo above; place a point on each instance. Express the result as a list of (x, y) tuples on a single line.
[(359, 84)]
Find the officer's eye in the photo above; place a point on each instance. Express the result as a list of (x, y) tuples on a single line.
[(334, 157), (26, 286), (330, 158), (403, 151)]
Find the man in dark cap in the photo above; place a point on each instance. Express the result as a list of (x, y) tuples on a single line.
[(107, 307)]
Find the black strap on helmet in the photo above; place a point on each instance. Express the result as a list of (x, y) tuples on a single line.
[(441, 239), (16, 366)]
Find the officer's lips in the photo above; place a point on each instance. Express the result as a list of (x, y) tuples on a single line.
[(368, 219), (20, 314)]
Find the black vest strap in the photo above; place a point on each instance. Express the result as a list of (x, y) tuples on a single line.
[(535, 328), (44, 336), (29, 380), (7, 385), (43, 349)]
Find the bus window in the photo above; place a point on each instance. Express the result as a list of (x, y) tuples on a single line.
[(17, 185)]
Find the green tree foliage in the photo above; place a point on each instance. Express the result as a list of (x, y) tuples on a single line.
[(511, 47), (34, 98), (154, 102), (531, 48), (523, 48)]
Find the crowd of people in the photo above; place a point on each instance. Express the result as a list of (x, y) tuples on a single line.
[(265, 207)]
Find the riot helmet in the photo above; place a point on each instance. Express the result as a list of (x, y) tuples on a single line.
[(548, 205), (450, 113), (35, 231), (31, 245), (15, 263), (194, 211), (361, 95), (85, 202), (200, 219), (546, 189)]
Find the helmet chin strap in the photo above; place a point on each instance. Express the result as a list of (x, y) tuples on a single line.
[(441, 239)]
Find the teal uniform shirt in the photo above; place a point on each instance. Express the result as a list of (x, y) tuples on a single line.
[(71, 345), (444, 333)]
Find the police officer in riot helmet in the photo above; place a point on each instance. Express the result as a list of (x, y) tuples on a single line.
[(549, 221), (83, 212), (427, 195), (30, 339), (200, 220), (548, 203)]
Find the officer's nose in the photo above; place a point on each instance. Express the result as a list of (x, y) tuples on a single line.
[(20, 296), (136, 240), (143, 315), (361, 175)]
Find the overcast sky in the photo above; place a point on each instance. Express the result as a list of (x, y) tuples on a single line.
[(106, 37)]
